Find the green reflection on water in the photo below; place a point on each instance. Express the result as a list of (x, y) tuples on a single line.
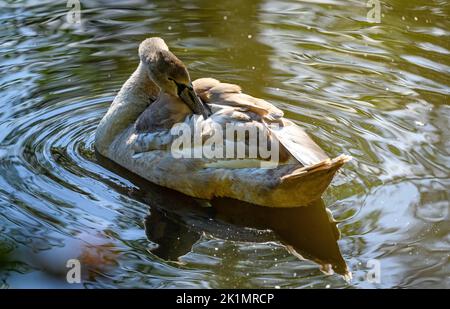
[(378, 92)]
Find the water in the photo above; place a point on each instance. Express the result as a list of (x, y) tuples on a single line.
[(378, 92)]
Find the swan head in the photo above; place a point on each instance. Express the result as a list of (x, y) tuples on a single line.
[(169, 73)]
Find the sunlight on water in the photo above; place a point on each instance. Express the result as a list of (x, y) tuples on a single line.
[(376, 91)]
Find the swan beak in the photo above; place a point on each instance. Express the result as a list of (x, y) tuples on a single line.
[(188, 95)]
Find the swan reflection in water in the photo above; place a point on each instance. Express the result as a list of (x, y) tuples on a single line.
[(176, 222)]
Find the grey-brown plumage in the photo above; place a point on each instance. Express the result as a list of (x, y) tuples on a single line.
[(162, 114), (137, 136)]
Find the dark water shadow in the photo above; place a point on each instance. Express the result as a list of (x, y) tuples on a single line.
[(176, 222)]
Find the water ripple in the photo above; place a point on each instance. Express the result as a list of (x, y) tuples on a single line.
[(377, 92)]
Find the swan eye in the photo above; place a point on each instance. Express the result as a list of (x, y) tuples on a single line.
[(180, 87)]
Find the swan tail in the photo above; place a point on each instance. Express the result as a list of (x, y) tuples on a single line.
[(331, 165)]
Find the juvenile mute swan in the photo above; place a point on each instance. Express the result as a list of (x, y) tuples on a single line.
[(138, 133)]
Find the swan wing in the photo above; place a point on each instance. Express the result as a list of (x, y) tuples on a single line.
[(297, 142), (214, 92), (291, 136)]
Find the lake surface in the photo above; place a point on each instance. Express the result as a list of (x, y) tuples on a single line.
[(376, 91)]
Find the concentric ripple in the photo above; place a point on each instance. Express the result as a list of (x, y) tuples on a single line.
[(378, 92)]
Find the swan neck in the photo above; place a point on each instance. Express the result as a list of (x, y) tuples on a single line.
[(133, 98)]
